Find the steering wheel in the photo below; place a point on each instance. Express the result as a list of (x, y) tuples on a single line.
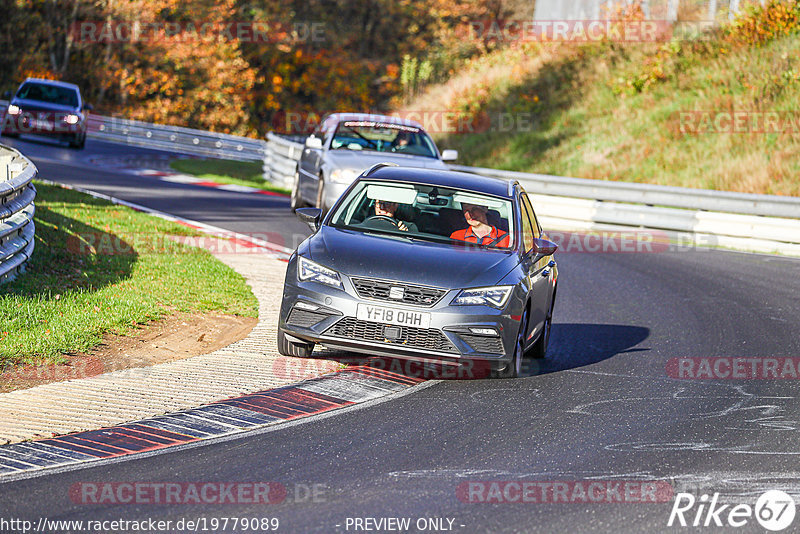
[(381, 217)]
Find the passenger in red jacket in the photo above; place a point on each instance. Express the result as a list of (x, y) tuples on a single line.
[(479, 230)]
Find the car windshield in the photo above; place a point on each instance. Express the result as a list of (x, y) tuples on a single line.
[(383, 137), (52, 94), (427, 212)]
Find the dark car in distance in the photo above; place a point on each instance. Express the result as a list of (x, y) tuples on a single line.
[(423, 264), (47, 107)]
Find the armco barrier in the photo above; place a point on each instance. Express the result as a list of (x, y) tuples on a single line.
[(654, 195), (171, 138), (759, 223), (281, 159), (175, 139), (16, 212)]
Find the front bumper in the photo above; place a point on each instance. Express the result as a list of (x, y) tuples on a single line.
[(448, 338), (45, 125)]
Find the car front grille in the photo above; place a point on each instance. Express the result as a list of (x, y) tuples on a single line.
[(418, 338), (488, 345), (305, 318), (412, 294)]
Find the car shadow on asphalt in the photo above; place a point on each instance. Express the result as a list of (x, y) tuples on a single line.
[(574, 345)]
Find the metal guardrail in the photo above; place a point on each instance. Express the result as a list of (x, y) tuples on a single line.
[(17, 194), (760, 223), (764, 223), (175, 139), (280, 162), (172, 138), (653, 195)]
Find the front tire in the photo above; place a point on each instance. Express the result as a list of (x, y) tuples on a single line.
[(296, 200), (539, 349), (321, 195), (79, 141), (290, 348), (514, 368)]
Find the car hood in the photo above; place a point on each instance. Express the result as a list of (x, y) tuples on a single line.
[(395, 258), (361, 161), (36, 105)]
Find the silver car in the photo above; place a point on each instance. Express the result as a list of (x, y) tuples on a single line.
[(426, 265), (346, 144)]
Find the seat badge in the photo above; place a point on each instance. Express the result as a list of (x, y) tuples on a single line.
[(396, 293)]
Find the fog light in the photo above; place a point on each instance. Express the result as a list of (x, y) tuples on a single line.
[(306, 306), (71, 119), (483, 331)]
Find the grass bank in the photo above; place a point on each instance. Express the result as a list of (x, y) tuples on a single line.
[(628, 112), (225, 171), (100, 268)]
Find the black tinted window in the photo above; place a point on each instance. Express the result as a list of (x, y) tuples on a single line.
[(52, 94)]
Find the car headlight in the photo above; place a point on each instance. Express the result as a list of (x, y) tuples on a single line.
[(13, 110), (71, 119), (496, 296), (309, 270), (344, 176)]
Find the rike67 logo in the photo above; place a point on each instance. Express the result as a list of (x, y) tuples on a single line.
[(774, 511)]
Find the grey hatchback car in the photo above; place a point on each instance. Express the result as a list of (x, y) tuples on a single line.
[(437, 266)]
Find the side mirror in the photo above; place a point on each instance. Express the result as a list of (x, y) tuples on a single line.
[(314, 143), (449, 155), (544, 247), (310, 216), (88, 107)]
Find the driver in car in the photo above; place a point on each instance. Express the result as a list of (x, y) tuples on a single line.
[(401, 142), (479, 230), (384, 218)]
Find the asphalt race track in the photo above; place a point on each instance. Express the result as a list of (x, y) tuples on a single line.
[(93, 168), (602, 407)]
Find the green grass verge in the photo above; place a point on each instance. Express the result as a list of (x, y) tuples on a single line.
[(613, 112), (225, 171), (70, 297)]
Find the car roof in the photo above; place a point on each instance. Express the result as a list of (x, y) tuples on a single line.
[(52, 82), (339, 117), (452, 179)]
